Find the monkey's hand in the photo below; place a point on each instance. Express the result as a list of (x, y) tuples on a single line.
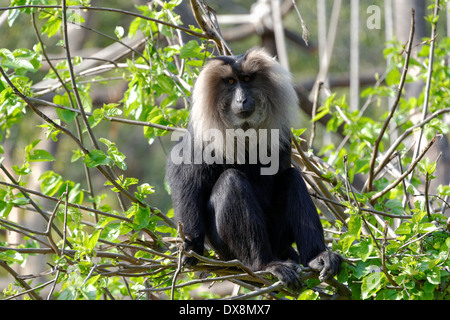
[(195, 245), (287, 272), (327, 263)]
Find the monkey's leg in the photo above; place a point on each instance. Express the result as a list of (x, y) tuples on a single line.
[(238, 230), (300, 212), (237, 226)]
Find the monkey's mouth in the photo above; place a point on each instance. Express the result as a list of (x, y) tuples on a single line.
[(245, 126)]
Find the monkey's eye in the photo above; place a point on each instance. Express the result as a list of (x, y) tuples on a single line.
[(230, 81), (246, 78)]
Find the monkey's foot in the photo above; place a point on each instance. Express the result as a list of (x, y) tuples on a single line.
[(287, 272)]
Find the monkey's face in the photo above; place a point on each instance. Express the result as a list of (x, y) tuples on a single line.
[(239, 91), (242, 106), (248, 91)]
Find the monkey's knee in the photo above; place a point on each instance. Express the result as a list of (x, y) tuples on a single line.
[(234, 210), (230, 184)]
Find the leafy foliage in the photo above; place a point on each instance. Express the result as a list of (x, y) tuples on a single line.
[(100, 246)]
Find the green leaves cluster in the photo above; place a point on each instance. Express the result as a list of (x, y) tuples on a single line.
[(95, 225), (405, 254), (416, 261)]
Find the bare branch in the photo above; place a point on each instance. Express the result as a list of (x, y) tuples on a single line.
[(428, 82), (406, 173), (137, 15), (369, 182)]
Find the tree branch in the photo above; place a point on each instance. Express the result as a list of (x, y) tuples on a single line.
[(371, 177), (137, 15), (405, 174)]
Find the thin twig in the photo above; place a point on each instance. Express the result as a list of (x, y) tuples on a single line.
[(405, 190), (179, 261), (427, 201), (30, 291), (370, 179), (85, 151), (80, 137), (428, 82), (69, 204), (72, 76), (48, 232), (372, 211), (276, 286), (109, 118), (348, 186), (388, 154), (305, 32), (55, 282), (212, 31), (129, 13), (66, 209), (383, 256), (313, 113), (406, 173)]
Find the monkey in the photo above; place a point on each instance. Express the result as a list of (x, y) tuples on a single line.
[(246, 207)]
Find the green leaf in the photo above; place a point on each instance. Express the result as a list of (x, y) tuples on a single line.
[(7, 54), (19, 64), (21, 201), (190, 50), (65, 115), (395, 205), (404, 228), (347, 242), (165, 84), (51, 27), (417, 217), (426, 227), (393, 77), (322, 112), (51, 182), (354, 225), (96, 158), (5, 208), (93, 239), (141, 217), (135, 25), (298, 132), (365, 250), (115, 155), (22, 171), (12, 16), (308, 295), (119, 32), (40, 155), (111, 231), (434, 276), (371, 284), (145, 188)]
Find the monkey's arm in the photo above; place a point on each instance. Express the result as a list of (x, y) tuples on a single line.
[(189, 205)]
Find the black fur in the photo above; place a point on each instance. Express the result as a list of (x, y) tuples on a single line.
[(248, 216), (251, 217)]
